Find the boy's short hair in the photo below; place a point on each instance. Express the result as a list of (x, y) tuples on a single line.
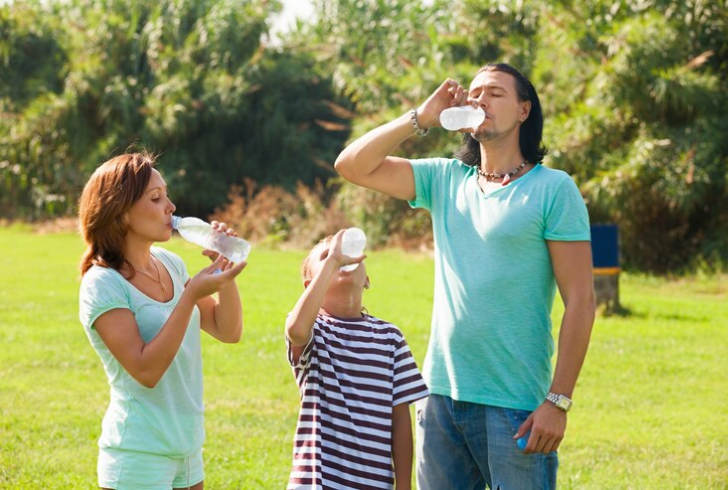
[(306, 266)]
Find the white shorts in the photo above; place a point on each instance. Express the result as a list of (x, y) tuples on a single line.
[(131, 470)]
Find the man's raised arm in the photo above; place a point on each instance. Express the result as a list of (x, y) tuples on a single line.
[(367, 161)]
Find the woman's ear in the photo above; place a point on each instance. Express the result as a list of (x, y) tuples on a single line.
[(367, 284)]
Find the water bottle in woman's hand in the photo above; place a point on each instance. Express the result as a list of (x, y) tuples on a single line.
[(203, 234)]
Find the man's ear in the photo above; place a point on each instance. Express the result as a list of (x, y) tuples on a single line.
[(306, 283), (524, 110), (367, 284)]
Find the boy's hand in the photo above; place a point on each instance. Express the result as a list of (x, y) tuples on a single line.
[(335, 252)]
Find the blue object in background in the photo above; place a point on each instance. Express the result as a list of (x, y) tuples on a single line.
[(605, 246)]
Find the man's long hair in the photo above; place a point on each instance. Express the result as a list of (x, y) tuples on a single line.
[(531, 130)]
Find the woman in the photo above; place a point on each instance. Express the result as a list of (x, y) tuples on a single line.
[(143, 314)]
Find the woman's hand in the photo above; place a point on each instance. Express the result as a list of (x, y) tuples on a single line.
[(220, 227), (214, 277)]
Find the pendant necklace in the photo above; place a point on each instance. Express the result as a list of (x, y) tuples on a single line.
[(158, 280)]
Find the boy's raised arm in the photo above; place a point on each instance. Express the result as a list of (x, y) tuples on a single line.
[(300, 322)]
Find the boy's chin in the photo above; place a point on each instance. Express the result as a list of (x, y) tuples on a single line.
[(347, 281)]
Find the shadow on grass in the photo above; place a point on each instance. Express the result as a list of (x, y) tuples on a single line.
[(608, 310)]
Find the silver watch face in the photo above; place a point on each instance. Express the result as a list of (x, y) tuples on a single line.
[(563, 403)]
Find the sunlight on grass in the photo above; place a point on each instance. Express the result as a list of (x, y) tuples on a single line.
[(650, 407)]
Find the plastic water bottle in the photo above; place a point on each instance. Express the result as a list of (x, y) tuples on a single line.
[(460, 117), (352, 245), (201, 233)]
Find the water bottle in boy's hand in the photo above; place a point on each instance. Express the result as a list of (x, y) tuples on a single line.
[(352, 245), (203, 234), (461, 117)]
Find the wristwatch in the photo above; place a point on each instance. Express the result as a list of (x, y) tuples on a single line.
[(562, 402)]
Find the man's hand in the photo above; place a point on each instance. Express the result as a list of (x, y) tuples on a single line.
[(547, 425), (449, 94)]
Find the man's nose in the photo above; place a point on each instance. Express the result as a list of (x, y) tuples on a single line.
[(479, 101)]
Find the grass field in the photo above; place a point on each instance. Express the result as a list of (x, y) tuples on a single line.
[(651, 406)]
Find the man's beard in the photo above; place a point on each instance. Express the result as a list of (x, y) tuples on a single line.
[(486, 135)]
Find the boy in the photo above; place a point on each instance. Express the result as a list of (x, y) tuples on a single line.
[(356, 376)]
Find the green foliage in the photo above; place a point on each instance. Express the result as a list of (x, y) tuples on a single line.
[(31, 60), (382, 53), (643, 136), (632, 95), (191, 80)]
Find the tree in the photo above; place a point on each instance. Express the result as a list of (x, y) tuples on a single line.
[(641, 134), (191, 80)]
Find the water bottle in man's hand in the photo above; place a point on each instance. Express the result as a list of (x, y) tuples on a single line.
[(203, 234), (462, 117)]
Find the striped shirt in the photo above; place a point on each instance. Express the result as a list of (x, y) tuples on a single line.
[(350, 376)]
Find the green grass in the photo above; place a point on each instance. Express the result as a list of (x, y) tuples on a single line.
[(650, 409)]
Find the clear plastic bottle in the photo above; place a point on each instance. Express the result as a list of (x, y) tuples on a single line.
[(203, 234), (466, 116), (352, 245)]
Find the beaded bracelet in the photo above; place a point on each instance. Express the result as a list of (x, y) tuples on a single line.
[(418, 130)]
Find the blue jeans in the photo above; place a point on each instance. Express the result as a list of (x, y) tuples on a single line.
[(466, 446)]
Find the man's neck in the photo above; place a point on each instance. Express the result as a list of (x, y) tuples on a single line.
[(498, 160)]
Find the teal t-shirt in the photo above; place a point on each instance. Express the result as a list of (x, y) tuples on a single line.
[(167, 419), (491, 340)]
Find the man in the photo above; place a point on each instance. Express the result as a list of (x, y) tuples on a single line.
[(507, 232)]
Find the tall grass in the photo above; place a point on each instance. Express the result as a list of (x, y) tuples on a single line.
[(650, 407)]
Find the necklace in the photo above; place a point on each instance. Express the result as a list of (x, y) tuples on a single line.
[(158, 280), (506, 176)]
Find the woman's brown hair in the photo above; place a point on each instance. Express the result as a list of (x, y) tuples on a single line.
[(109, 193)]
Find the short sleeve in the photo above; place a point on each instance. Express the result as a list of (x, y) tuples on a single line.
[(426, 172), (102, 290), (567, 218), (305, 357), (408, 383)]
